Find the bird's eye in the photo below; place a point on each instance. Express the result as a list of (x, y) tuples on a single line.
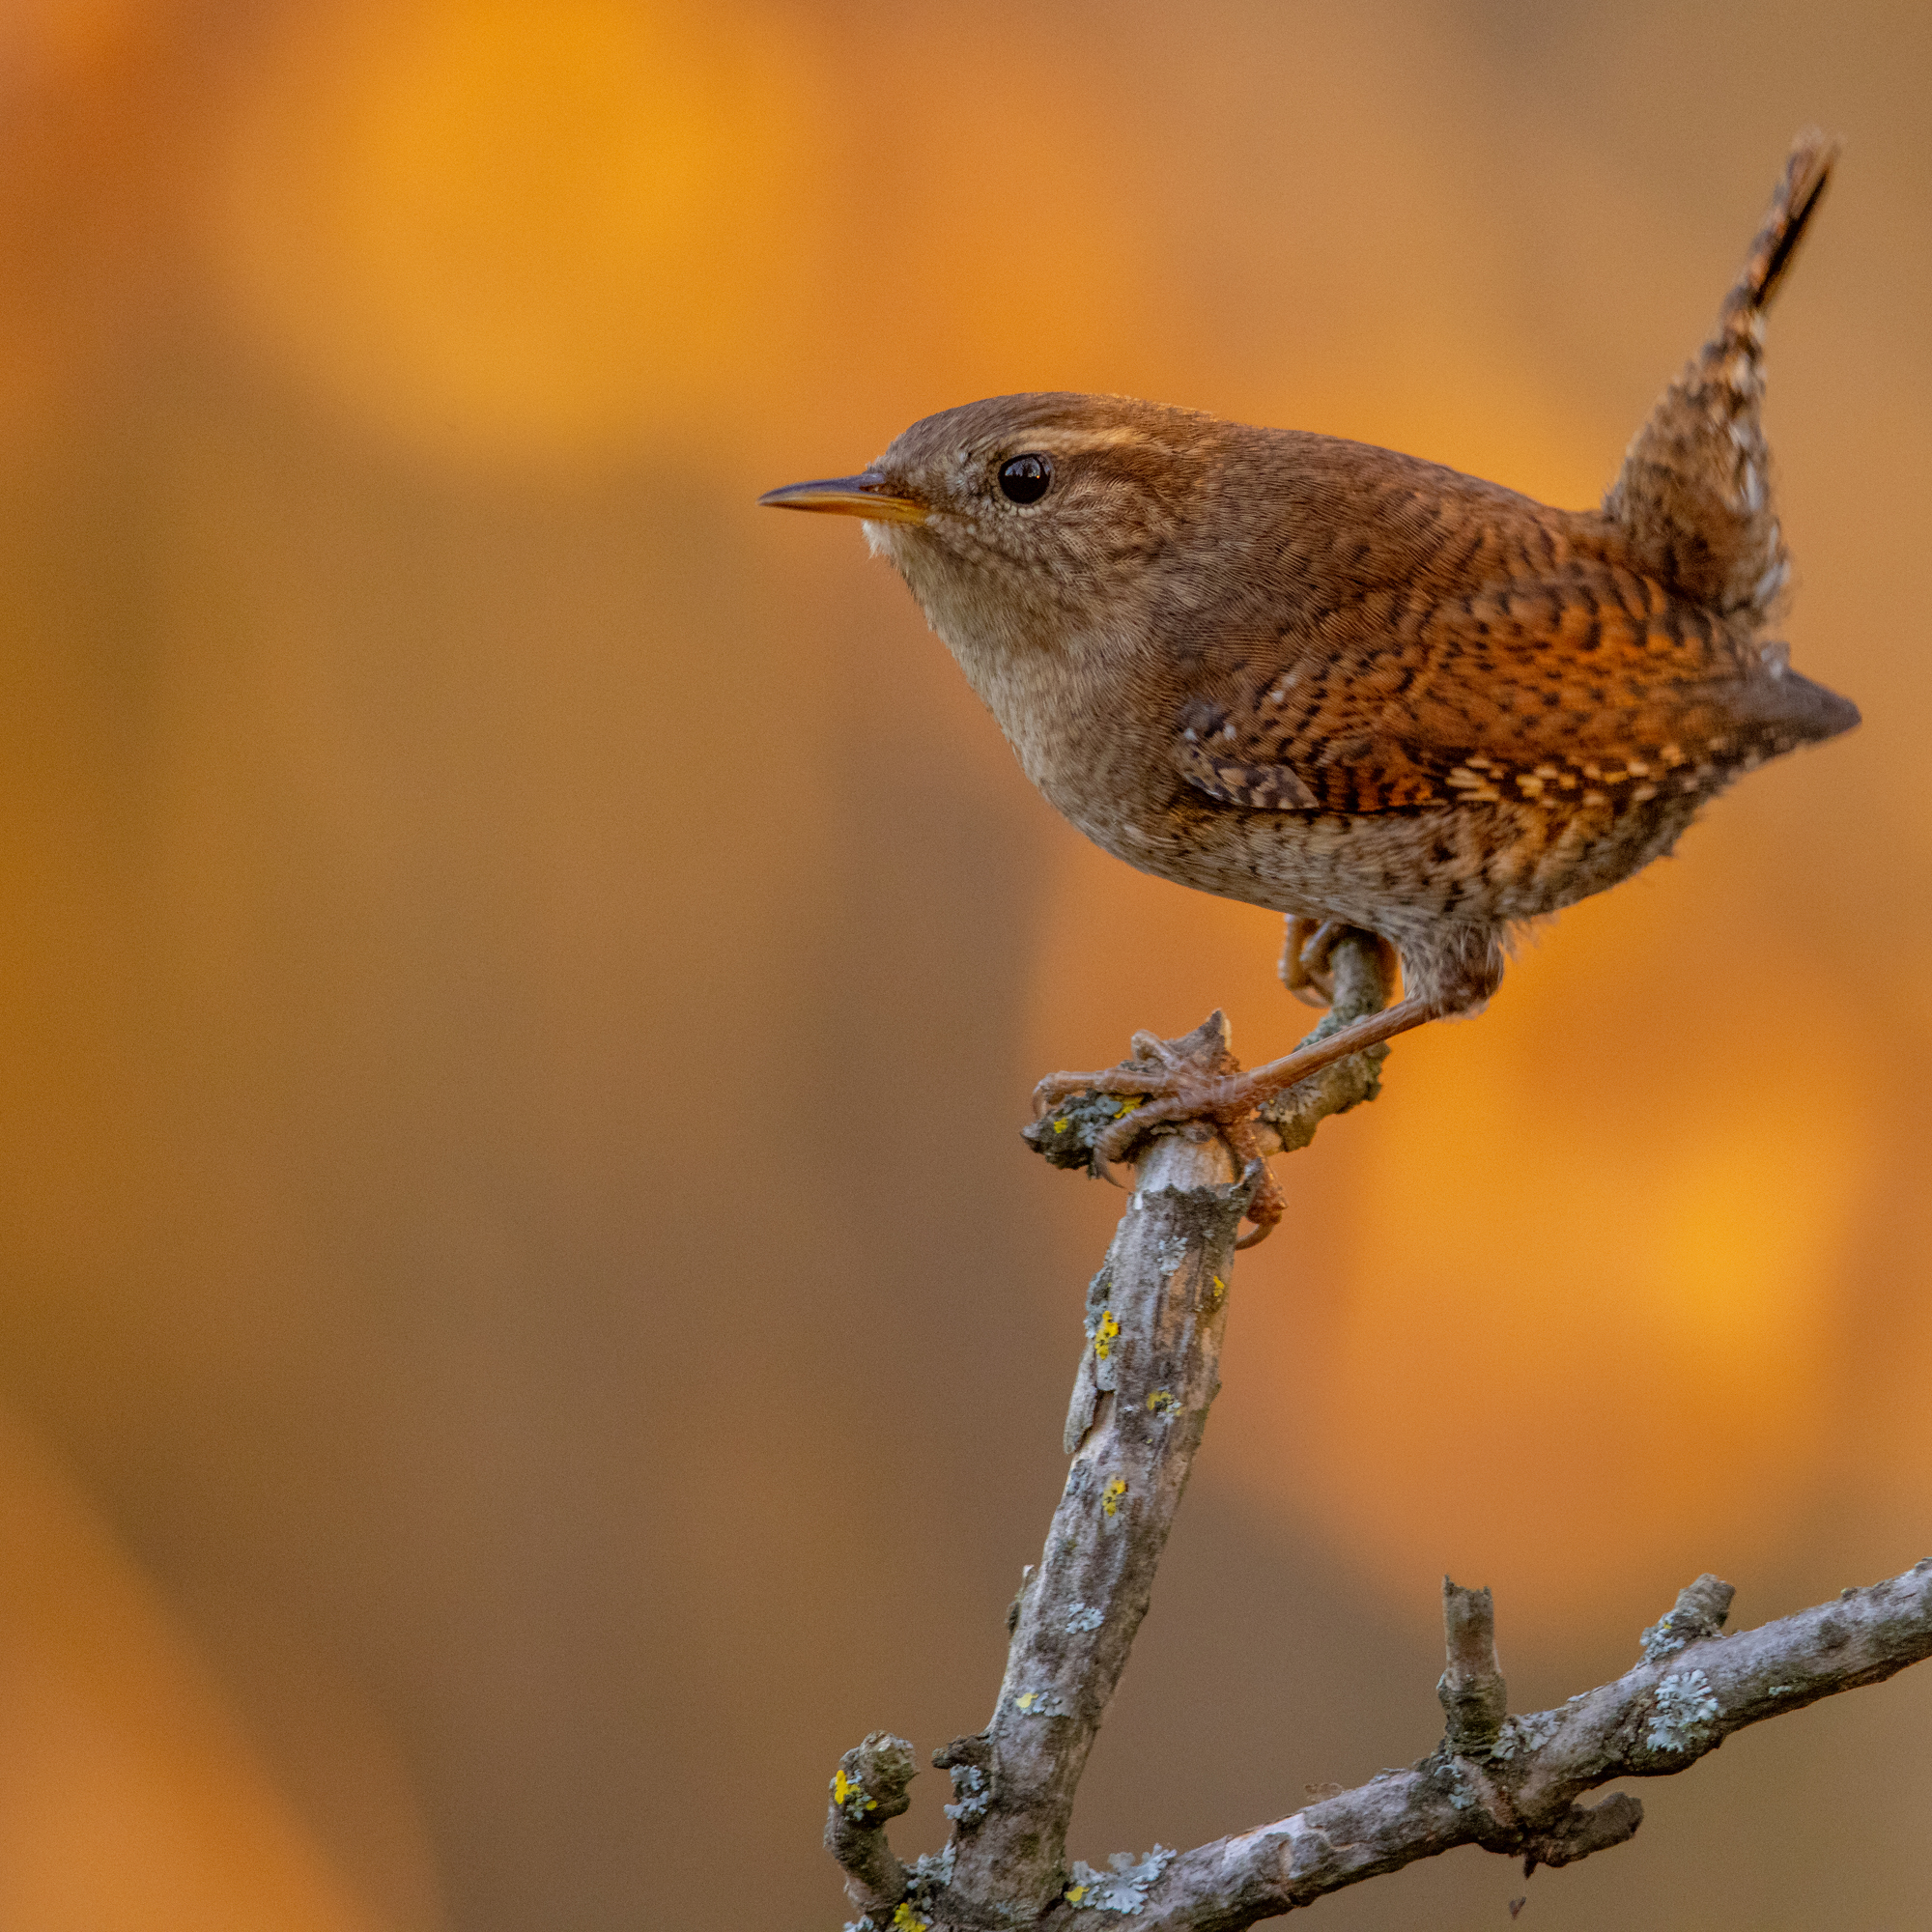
[(1025, 478)]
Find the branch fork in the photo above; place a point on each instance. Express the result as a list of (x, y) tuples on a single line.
[(1148, 1373)]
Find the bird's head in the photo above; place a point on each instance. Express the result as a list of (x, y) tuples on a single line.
[(1015, 518)]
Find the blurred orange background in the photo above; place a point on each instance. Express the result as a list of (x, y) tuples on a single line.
[(525, 1324)]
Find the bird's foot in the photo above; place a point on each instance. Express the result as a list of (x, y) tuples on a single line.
[(1163, 1082), (1090, 1120), (1308, 959)]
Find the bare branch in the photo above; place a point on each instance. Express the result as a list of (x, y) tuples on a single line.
[(1149, 1371), (1155, 1313), (1657, 1720), (1474, 1698), (868, 1789), (1699, 1611)]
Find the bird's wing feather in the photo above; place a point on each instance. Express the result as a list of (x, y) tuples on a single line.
[(1597, 682)]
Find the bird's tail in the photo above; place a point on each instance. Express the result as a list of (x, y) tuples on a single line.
[(1693, 496), (1807, 175)]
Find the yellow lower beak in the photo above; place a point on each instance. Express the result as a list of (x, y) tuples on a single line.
[(866, 494)]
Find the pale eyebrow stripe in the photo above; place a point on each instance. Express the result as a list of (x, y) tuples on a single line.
[(1075, 441)]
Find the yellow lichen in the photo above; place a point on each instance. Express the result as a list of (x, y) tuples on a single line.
[(1103, 1335), (1074, 1894), (1110, 1497)]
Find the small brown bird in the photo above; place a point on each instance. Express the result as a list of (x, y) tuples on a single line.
[(1360, 689)]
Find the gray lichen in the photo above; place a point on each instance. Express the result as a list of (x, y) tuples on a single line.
[(1526, 1734), (853, 1799), (1085, 1617), (1700, 1612), (1125, 1888), (1171, 1253), (1660, 1640), (1685, 1705), (1065, 1137), (933, 1868), (973, 1793), (1045, 1703)]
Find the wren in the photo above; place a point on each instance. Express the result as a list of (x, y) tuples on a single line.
[(1360, 689)]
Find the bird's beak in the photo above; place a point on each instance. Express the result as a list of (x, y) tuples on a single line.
[(866, 494)]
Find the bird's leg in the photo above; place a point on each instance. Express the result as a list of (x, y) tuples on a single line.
[(1173, 1081), (1307, 954), (1160, 1090), (1177, 1094)]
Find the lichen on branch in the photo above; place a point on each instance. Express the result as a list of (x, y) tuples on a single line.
[(1147, 1374)]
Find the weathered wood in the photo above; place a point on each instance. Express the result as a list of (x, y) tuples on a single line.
[(1148, 1373)]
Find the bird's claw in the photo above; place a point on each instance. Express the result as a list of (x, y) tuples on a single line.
[(1305, 967), (1146, 1075), (1168, 1082), (1267, 1202), (1308, 959)]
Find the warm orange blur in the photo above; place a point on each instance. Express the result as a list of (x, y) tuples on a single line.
[(521, 971), (519, 235), (127, 1797)]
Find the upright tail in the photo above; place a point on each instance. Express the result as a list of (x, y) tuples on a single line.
[(1806, 174), (1693, 496)]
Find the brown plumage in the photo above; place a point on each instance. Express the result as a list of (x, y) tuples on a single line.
[(1358, 687)]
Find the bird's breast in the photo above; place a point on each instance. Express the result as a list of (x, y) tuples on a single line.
[(1087, 726)]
